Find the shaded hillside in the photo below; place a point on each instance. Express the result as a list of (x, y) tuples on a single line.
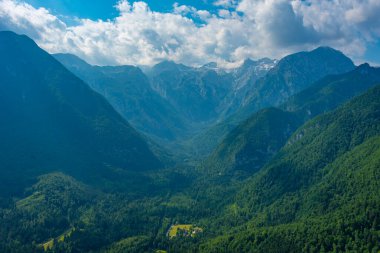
[(50, 120), (128, 91), (257, 140)]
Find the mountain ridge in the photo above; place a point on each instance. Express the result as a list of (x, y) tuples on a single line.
[(64, 118), (266, 131)]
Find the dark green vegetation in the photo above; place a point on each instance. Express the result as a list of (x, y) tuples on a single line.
[(254, 142), (320, 193), (51, 120), (76, 177)]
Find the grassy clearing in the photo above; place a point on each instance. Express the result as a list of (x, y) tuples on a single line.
[(183, 230), (50, 244), (30, 201)]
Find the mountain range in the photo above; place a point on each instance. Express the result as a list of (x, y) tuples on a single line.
[(172, 109), (254, 142), (272, 156), (291, 74)]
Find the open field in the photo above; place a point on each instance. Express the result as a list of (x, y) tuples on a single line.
[(183, 230)]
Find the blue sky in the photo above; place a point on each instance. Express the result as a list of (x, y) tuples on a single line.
[(372, 54), (194, 32), (92, 9), (104, 9)]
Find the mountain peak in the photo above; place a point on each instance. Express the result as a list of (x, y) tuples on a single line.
[(166, 62), (10, 34), (327, 51), (210, 65), (73, 59), (364, 66), (168, 65), (325, 48), (12, 38), (248, 62), (319, 56)]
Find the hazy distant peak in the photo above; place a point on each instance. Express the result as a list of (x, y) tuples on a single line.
[(210, 65), (9, 35), (68, 56), (364, 66), (168, 65), (248, 62), (325, 49)]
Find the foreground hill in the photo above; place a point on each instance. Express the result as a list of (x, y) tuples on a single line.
[(254, 142), (51, 120), (324, 182)]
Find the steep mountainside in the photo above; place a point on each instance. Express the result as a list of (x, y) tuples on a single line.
[(194, 92), (129, 92), (244, 80), (255, 141), (292, 74), (325, 181), (50, 120)]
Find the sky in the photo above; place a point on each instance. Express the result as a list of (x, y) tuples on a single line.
[(194, 32)]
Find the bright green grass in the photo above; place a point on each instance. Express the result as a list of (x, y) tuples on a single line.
[(50, 244), (189, 228)]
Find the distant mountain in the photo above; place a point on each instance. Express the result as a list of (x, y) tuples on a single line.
[(195, 92), (211, 65), (254, 142), (50, 120), (291, 74), (176, 101), (250, 71), (244, 79), (128, 91), (324, 182), (294, 73)]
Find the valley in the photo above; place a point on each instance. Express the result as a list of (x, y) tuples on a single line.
[(272, 156)]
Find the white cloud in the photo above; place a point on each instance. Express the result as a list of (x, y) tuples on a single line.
[(295, 24), (37, 23), (226, 3), (256, 29)]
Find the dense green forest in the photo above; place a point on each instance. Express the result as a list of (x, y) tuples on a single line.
[(301, 174)]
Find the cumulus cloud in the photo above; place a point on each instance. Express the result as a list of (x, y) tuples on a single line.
[(226, 3), (249, 28), (37, 23)]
